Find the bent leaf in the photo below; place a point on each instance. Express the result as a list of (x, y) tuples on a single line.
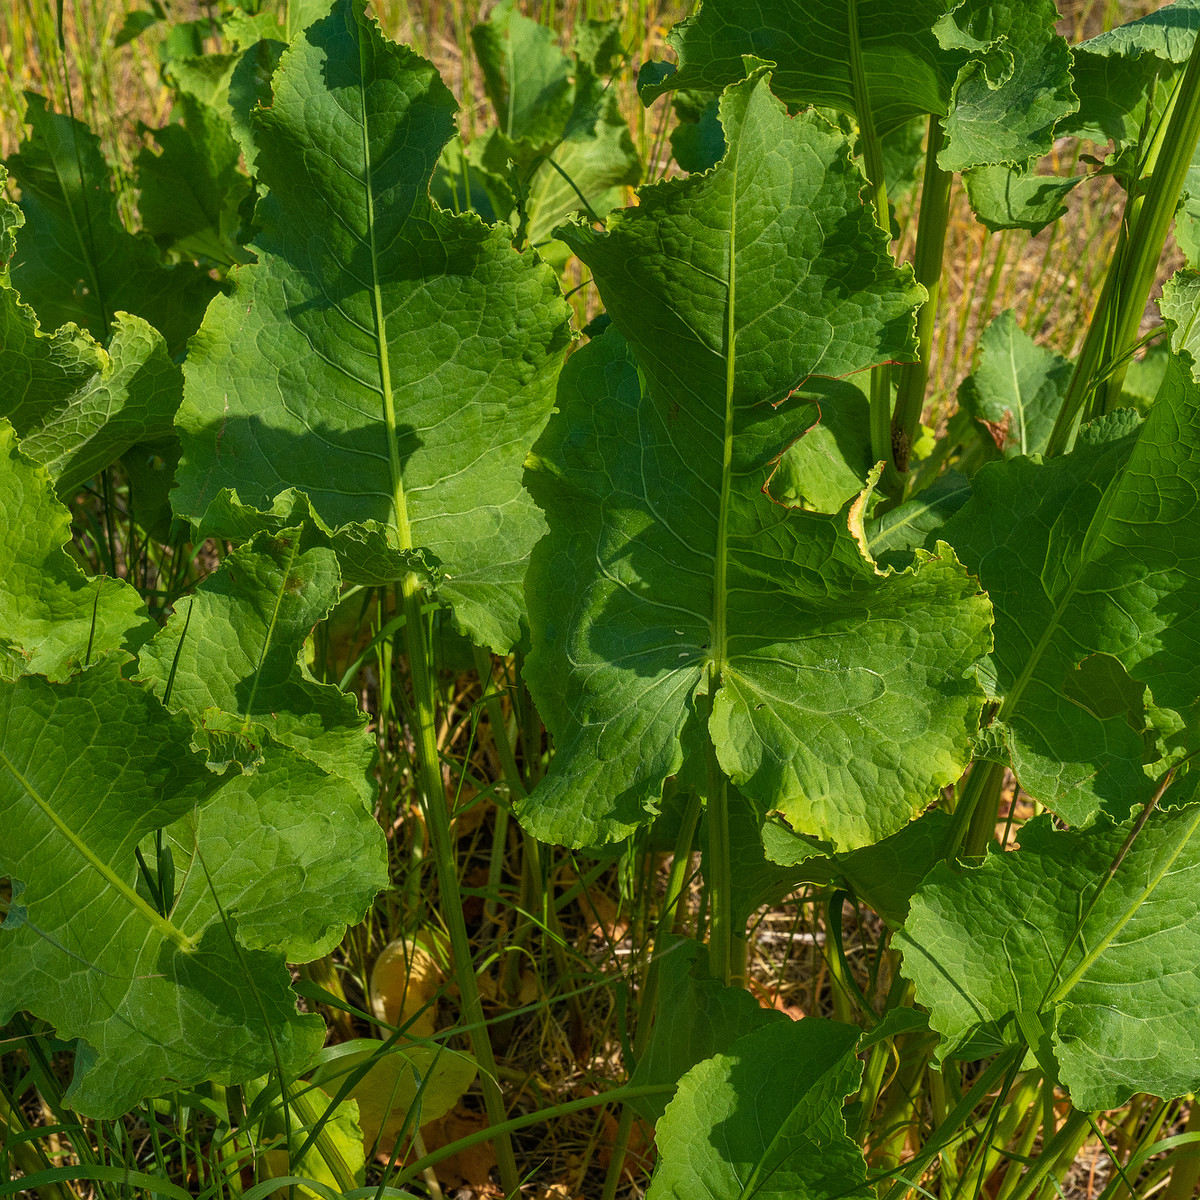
[(77, 406), (667, 560), (765, 1119), (53, 618), (391, 361), (1120, 998), (78, 262)]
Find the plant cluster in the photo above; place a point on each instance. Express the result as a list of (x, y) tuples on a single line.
[(946, 677)]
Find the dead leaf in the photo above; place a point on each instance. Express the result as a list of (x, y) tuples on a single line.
[(405, 981), (470, 1167)]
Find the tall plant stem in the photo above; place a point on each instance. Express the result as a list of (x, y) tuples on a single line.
[(668, 921), (719, 871), (982, 786), (437, 821), (1113, 331), (932, 224), (872, 152)]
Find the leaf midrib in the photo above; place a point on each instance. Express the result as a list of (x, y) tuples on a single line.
[(399, 500), (155, 918), (720, 565), (1090, 958), (271, 624), (1090, 538)]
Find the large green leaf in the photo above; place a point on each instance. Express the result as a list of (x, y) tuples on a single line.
[(1119, 996), (232, 656), (668, 560), (53, 618), (1125, 77), (765, 1119), (78, 262), (1016, 388), (390, 360), (279, 861), (1095, 553), (996, 71)]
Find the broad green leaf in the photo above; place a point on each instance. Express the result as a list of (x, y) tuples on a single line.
[(190, 192), (390, 361), (232, 656), (77, 406), (291, 853), (1008, 98), (996, 71), (1016, 388), (526, 76), (1125, 77), (667, 560), (1119, 998), (87, 770), (54, 619), (698, 1018), (1097, 552), (765, 1119), (1015, 198), (77, 261)]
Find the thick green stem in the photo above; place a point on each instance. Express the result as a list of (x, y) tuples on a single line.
[(985, 811), (1173, 158), (982, 783), (437, 821), (720, 873), (1113, 331), (927, 265), (872, 152)]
